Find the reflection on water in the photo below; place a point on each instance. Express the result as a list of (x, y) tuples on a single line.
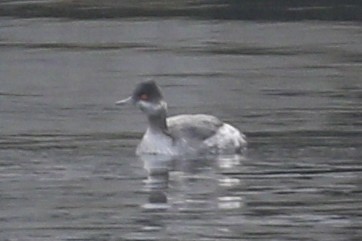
[(67, 165), (199, 182)]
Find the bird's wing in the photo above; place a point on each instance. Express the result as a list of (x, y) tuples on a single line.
[(193, 127)]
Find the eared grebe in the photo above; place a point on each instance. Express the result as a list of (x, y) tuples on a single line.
[(181, 134)]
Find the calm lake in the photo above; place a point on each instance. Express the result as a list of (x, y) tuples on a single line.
[(68, 170)]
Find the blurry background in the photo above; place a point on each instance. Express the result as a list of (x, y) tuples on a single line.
[(286, 73)]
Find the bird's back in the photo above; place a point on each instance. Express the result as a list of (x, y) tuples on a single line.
[(205, 134), (197, 127)]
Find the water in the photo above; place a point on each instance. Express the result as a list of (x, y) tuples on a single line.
[(68, 169)]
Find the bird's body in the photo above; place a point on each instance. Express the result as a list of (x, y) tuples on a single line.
[(181, 134)]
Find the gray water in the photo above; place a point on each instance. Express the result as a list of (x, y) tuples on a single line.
[(67, 165)]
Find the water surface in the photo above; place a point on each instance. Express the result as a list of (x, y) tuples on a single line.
[(67, 165)]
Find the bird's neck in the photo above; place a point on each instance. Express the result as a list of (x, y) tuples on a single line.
[(158, 122)]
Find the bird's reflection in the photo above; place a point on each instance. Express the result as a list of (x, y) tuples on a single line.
[(157, 182), (192, 184)]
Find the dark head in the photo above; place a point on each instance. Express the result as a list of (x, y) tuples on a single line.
[(148, 97), (147, 91)]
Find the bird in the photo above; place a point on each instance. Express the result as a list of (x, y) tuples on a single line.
[(186, 134)]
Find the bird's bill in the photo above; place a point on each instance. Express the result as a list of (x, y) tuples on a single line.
[(128, 100)]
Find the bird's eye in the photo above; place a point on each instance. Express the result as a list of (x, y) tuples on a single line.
[(144, 97)]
